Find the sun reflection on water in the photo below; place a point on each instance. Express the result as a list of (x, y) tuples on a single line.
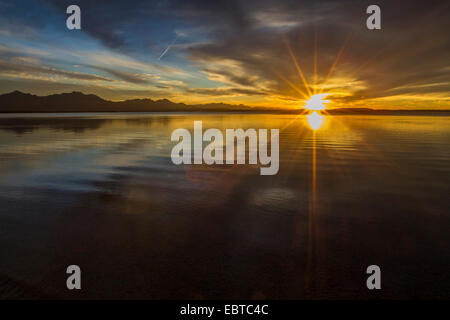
[(315, 120)]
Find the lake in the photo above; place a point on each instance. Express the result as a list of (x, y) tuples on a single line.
[(100, 191)]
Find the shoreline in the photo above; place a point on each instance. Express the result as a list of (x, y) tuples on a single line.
[(285, 112)]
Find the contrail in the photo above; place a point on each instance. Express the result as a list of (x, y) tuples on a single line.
[(168, 47)]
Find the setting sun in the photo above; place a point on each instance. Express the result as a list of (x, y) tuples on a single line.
[(316, 102)]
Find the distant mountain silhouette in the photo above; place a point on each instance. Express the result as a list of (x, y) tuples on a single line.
[(17, 101), (79, 102)]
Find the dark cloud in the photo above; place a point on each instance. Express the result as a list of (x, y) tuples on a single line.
[(412, 49), (101, 19)]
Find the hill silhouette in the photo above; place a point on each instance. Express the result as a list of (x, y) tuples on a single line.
[(19, 102), (79, 102)]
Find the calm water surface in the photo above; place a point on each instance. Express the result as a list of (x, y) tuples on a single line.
[(100, 191)]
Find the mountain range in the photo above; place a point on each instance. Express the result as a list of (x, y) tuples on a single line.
[(19, 102)]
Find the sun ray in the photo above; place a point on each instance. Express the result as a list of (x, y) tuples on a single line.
[(304, 95), (315, 61), (336, 60), (297, 66)]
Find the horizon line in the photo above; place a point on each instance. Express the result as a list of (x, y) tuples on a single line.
[(241, 105)]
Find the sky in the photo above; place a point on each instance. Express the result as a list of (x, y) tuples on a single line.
[(255, 52)]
